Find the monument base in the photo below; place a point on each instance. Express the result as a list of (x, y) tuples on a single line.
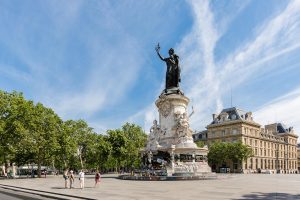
[(177, 161), (139, 177), (170, 149)]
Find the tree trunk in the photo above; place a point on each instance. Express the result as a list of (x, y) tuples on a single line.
[(5, 164), (39, 167), (81, 161)]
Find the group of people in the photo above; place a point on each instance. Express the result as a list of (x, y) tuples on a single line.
[(69, 176)]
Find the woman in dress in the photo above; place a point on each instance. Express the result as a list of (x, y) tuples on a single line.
[(97, 178)]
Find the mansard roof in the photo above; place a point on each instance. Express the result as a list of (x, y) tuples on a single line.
[(282, 128), (230, 114)]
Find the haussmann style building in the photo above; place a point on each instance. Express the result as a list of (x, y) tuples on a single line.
[(298, 157), (274, 146)]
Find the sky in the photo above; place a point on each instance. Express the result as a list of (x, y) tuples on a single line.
[(95, 60)]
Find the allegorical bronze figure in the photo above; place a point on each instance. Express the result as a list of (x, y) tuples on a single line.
[(173, 71)]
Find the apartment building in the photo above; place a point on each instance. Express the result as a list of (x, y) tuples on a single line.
[(274, 146)]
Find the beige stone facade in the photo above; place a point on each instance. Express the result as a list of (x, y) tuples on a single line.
[(274, 146), (298, 157)]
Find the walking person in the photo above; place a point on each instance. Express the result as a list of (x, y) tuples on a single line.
[(81, 179), (97, 178), (66, 177), (72, 179)]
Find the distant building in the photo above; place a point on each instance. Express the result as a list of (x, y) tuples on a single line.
[(274, 146), (200, 136)]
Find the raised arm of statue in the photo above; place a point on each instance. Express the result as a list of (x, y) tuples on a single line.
[(157, 48)]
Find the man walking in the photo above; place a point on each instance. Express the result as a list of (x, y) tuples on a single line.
[(81, 179)]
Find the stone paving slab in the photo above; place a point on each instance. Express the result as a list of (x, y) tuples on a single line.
[(235, 186)]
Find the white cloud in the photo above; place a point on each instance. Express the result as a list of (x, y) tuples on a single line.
[(199, 69), (144, 117), (277, 37), (283, 109), (106, 74), (206, 81)]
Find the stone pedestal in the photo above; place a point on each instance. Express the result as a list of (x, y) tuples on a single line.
[(174, 122), (172, 136)]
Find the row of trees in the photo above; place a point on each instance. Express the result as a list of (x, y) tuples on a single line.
[(33, 133)]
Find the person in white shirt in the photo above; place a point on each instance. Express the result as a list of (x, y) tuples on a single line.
[(81, 179)]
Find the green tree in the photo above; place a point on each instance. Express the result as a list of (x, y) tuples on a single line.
[(221, 152), (12, 111), (103, 155), (200, 144), (118, 141), (66, 154), (218, 153), (81, 144), (237, 152), (136, 139), (32, 133), (43, 126)]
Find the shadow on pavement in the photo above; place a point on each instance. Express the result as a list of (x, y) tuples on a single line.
[(73, 188), (59, 188), (270, 196)]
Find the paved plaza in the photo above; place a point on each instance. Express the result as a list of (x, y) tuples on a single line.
[(234, 186)]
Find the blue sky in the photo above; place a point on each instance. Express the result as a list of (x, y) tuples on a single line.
[(95, 60)]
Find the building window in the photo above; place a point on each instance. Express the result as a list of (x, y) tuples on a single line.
[(235, 165), (261, 152)]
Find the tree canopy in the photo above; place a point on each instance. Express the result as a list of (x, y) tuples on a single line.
[(34, 134), (220, 152)]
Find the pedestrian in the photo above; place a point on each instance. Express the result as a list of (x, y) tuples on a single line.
[(72, 179), (66, 177), (97, 178), (81, 179)]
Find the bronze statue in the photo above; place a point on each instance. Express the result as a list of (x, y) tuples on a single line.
[(173, 71)]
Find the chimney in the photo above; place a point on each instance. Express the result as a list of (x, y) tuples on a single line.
[(214, 116)]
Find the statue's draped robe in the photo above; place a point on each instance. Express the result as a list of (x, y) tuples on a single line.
[(172, 73)]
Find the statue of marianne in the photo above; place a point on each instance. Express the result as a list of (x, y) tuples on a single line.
[(173, 69)]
